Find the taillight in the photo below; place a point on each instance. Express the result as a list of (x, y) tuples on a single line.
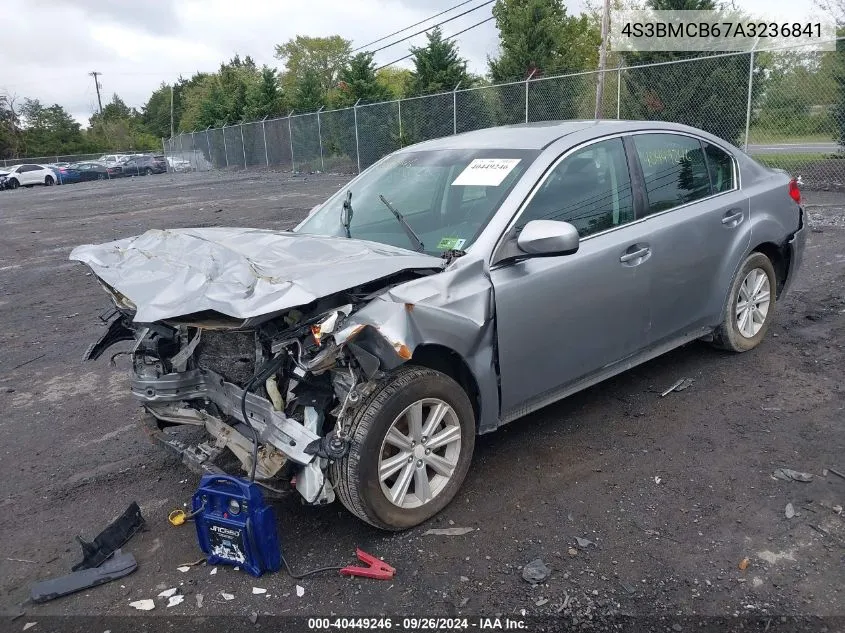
[(794, 191)]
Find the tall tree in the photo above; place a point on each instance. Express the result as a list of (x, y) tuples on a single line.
[(395, 80), (49, 130), (310, 58), (308, 93), (438, 66), (221, 98), (358, 81), (119, 127), (264, 97), (10, 133), (537, 36)]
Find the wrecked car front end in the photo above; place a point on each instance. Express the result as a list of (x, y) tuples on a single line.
[(244, 335)]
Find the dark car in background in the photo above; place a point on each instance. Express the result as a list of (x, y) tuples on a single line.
[(142, 165), (65, 173), (92, 170)]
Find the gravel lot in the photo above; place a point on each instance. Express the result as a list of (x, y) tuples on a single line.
[(673, 492)]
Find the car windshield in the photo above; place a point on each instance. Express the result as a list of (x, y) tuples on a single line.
[(446, 197)]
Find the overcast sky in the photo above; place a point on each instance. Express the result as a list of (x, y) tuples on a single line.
[(48, 47)]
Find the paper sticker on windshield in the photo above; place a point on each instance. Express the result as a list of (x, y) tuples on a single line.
[(486, 172), (450, 244)]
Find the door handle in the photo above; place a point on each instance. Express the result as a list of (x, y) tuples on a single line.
[(732, 218), (638, 254)]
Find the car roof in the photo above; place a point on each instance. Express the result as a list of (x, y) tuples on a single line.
[(537, 136)]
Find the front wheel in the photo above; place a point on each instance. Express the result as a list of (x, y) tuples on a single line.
[(148, 172), (14, 184), (411, 447), (750, 306)]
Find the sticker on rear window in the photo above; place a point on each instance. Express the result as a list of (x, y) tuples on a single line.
[(450, 243), (486, 172)]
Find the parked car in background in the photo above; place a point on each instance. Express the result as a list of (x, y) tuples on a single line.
[(65, 174), (91, 170), (141, 165), (179, 164), (481, 277), (27, 175), (112, 159)]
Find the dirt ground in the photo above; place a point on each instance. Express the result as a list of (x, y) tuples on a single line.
[(673, 493)]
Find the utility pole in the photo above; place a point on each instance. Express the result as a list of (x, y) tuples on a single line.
[(171, 110), (605, 27), (95, 74)]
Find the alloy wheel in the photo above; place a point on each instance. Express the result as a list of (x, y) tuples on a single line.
[(419, 453), (753, 302)]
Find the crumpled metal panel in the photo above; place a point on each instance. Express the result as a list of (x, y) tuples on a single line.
[(238, 272), (453, 309)]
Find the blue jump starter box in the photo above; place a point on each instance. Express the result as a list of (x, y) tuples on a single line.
[(234, 527)]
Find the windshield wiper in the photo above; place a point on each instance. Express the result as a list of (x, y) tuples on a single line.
[(346, 213), (415, 239)]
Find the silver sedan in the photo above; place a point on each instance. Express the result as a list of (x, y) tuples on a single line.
[(451, 288)]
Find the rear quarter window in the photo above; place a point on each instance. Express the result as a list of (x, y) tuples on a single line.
[(721, 167)]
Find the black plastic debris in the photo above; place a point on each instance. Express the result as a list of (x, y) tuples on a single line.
[(119, 566), (111, 539)]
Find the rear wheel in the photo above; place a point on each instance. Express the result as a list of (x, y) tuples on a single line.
[(49, 181), (750, 306), (411, 447), (101, 176), (148, 172)]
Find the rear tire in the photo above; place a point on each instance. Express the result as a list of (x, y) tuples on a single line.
[(101, 176), (750, 307), (49, 181), (148, 172), (358, 478)]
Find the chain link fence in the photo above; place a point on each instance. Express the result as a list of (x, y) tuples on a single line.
[(784, 107)]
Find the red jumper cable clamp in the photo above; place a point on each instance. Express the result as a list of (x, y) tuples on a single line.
[(375, 568)]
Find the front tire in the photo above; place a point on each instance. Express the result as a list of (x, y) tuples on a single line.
[(148, 172), (411, 447), (14, 184), (750, 307)]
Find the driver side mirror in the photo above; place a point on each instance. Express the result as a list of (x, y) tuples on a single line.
[(548, 238)]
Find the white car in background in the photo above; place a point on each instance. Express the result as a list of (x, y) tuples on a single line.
[(113, 159), (28, 174)]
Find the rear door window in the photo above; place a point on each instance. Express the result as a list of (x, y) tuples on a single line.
[(674, 170)]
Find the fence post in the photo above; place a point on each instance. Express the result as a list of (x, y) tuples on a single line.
[(225, 149), (194, 151), (181, 149), (455, 109), (243, 145), (264, 134), (618, 90), (320, 139), (163, 149), (399, 103), (357, 149), (534, 70), (208, 143), (290, 138), (748, 106)]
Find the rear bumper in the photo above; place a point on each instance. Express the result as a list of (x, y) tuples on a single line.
[(796, 245)]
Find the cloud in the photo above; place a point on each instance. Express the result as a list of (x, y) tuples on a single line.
[(137, 45)]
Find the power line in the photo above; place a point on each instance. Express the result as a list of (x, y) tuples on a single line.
[(395, 61), (428, 28), (436, 15)]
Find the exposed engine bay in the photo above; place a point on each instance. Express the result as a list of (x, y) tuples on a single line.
[(287, 382)]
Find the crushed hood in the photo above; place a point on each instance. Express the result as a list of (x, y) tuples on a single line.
[(239, 272)]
